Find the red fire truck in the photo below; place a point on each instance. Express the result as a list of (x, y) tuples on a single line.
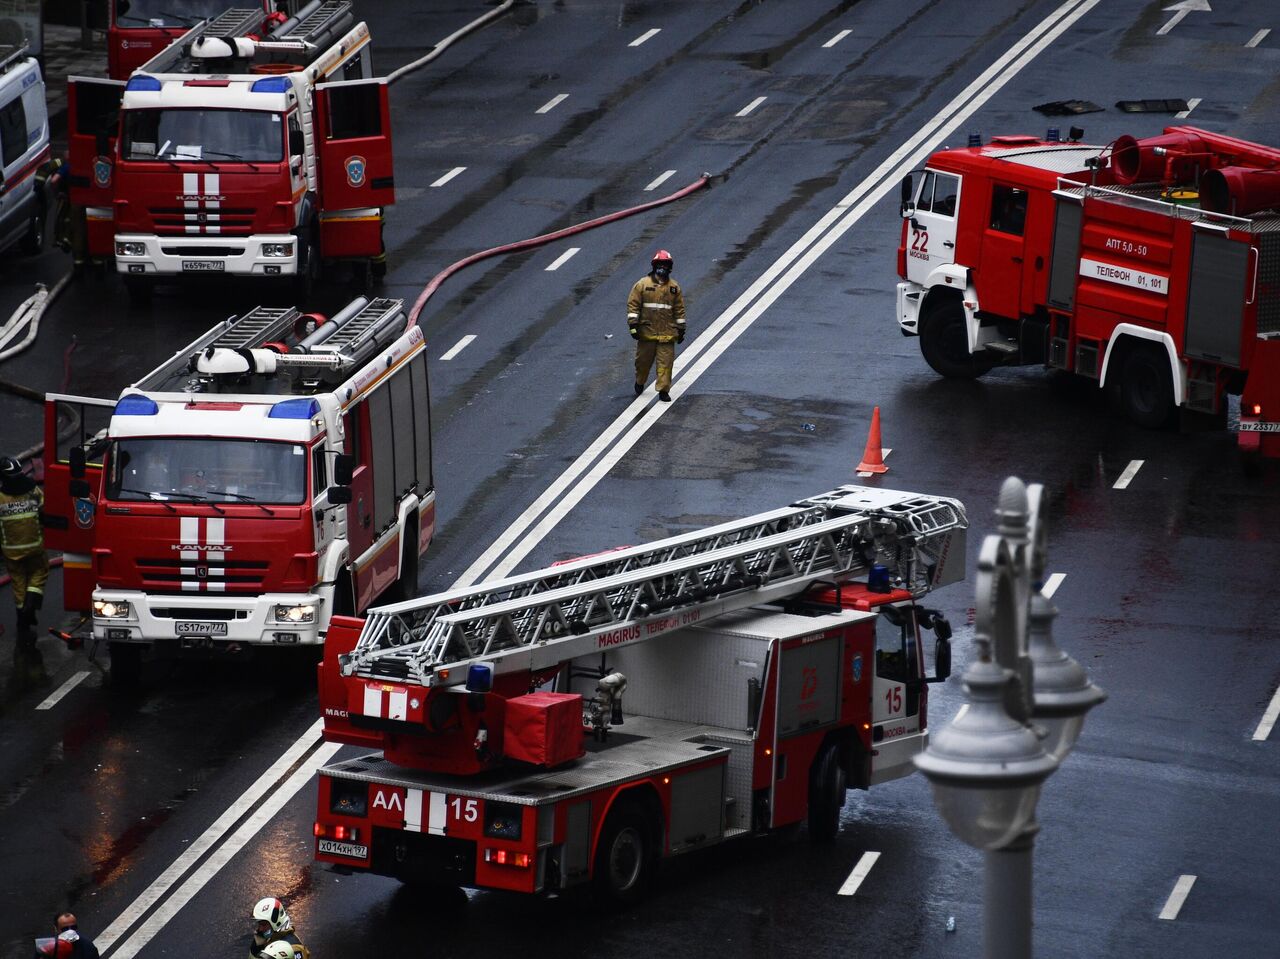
[(139, 29), (226, 153), (766, 666), (1147, 265), (248, 488)]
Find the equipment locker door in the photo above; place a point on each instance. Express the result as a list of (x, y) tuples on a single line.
[(73, 423), (931, 231), (897, 695), (1000, 272), (353, 143), (93, 121)]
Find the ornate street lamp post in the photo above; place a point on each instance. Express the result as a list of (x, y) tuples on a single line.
[(986, 766)]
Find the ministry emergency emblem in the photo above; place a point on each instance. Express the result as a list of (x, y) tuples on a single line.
[(355, 170)]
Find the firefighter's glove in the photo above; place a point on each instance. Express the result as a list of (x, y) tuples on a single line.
[(634, 331), (680, 335)]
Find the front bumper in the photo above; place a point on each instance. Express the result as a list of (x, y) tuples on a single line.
[(206, 255), (208, 621), (910, 296)]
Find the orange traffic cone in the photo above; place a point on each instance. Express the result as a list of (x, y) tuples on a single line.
[(873, 455)]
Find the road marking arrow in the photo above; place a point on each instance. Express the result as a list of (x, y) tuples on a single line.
[(1182, 9)]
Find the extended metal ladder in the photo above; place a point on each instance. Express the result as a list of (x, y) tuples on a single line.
[(539, 619), (362, 330), (234, 22), (262, 324), (316, 22)]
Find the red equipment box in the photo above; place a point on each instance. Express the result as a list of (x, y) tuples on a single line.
[(544, 728)]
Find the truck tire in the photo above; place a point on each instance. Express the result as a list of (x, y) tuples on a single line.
[(625, 857), (126, 664), (33, 241), (1146, 388), (139, 289), (827, 787), (945, 345)]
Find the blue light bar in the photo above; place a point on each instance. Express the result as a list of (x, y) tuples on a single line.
[(135, 404), (143, 82), (299, 409), (878, 579), (270, 85)]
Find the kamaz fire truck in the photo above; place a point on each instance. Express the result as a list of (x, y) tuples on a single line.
[(139, 29), (1151, 266), (275, 471), (766, 665), (230, 153)]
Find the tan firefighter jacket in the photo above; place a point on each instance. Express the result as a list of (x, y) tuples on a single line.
[(656, 309), (20, 531)]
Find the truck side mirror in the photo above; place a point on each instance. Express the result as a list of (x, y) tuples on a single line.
[(77, 459), (339, 495), (942, 659), (905, 206), (344, 467), (941, 627), (297, 145)]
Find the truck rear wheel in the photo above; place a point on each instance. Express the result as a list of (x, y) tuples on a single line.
[(625, 857), (1146, 388), (827, 787), (945, 344)]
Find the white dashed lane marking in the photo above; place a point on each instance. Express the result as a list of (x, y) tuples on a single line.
[(1181, 889), (449, 176), (836, 39), (459, 346), (647, 35), (1129, 473), (1268, 718), (551, 104), (563, 258), (750, 106), (1258, 37), (859, 873), (662, 178), (62, 690), (1051, 584), (1191, 105)]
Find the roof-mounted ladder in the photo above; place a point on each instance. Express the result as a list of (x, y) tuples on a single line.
[(539, 619), (362, 331), (234, 22), (314, 23), (262, 324)]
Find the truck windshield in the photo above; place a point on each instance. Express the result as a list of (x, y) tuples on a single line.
[(207, 470), (252, 136), (165, 13)]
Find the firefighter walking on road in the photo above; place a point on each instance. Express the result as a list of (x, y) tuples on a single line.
[(22, 544), (655, 318)]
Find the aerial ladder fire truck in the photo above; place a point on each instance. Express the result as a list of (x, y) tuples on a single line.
[(275, 471), (234, 153), (1151, 266), (766, 665)]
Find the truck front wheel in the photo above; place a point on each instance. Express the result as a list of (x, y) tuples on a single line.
[(827, 787), (945, 344), (625, 856), (1146, 388)]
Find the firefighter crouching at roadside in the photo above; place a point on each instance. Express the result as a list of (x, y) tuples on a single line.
[(272, 927), (22, 544), (655, 318)]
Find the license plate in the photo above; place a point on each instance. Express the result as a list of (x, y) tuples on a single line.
[(1256, 427), (203, 266), (200, 629), (349, 849)]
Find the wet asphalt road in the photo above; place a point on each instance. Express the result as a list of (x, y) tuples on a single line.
[(1167, 593)]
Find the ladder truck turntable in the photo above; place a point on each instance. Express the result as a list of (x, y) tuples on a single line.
[(1149, 265), (272, 472), (231, 152), (767, 664)]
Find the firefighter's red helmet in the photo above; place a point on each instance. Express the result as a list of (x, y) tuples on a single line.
[(662, 256)]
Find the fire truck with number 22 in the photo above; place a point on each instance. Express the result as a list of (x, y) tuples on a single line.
[(234, 153), (577, 724), (1151, 266)]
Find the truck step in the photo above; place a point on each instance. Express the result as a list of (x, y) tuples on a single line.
[(1003, 347)]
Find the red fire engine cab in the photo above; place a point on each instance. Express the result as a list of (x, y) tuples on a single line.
[(230, 153), (275, 471), (1145, 265), (766, 665)]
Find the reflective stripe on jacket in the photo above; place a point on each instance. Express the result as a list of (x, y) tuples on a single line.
[(20, 531), (656, 309)]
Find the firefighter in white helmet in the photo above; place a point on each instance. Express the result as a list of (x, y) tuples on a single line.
[(282, 950), (655, 318), (272, 928)]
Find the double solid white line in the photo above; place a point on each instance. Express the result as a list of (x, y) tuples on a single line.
[(567, 490), (308, 753)]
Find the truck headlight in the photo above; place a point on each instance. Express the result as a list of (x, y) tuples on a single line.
[(130, 249), (295, 614), (111, 608), (277, 249)]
